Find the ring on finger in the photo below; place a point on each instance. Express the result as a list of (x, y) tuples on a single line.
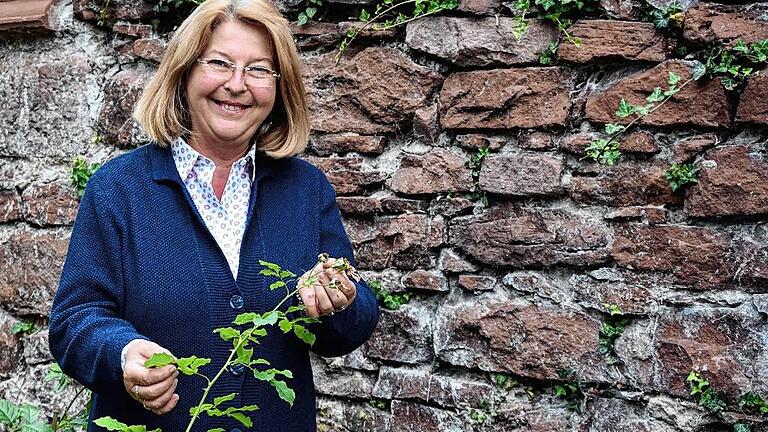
[(135, 391)]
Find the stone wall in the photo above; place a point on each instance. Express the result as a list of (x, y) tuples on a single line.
[(510, 265)]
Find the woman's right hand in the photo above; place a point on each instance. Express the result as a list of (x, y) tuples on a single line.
[(152, 387)]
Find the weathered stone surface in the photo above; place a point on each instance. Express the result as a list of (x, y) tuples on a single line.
[(594, 293), (91, 10), (36, 348), (750, 253), (30, 265), (371, 205), (519, 237), (477, 283), (611, 40), (426, 280), (479, 7), (120, 95), (426, 123), (450, 262), (480, 141), (695, 256), (50, 204), (736, 184), (421, 384), (623, 9), (335, 381), (438, 171), (344, 143), (713, 22), (347, 175), (28, 386), (753, 104), (408, 417), (479, 41), (539, 283), (725, 345), (625, 184), (698, 104), (403, 205), (450, 207), (618, 415), (402, 241), (135, 30), (10, 205), (648, 214), (639, 142), (9, 345), (506, 98), (344, 416), (522, 174), (315, 34), (536, 141), (527, 340), (149, 49), (403, 335), (687, 148), (369, 93), (47, 103), (27, 15)]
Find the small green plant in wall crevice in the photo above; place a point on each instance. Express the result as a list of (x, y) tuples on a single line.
[(706, 396), (612, 327), (680, 175), (81, 173)]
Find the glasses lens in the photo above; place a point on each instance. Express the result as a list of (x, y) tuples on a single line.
[(260, 77)]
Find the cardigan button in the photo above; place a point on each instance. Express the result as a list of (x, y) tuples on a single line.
[(236, 301), (237, 369)]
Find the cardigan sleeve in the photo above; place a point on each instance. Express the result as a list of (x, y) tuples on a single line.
[(86, 332), (345, 331)]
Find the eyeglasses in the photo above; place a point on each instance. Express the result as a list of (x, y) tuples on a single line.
[(256, 76)]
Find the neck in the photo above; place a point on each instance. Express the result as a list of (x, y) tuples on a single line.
[(222, 154)]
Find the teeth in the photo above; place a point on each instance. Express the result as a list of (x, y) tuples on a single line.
[(231, 107)]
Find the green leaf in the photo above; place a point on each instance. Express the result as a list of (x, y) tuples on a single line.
[(364, 16), (269, 272), (276, 285), (111, 424), (245, 318), (673, 78), (219, 400), (36, 427), (305, 335), (310, 12), (242, 418), (269, 318), (217, 430), (612, 128), (671, 91), (741, 427), (159, 360), (740, 47), (190, 365), (260, 361), (8, 412), (656, 96), (227, 333), (699, 70), (285, 393), (285, 273), (285, 325), (729, 83), (244, 355), (625, 109), (272, 266)]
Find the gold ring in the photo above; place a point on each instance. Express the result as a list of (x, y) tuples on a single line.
[(135, 391)]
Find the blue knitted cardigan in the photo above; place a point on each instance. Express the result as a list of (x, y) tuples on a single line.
[(142, 264)]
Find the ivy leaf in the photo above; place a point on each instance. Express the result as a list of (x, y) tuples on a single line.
[(310, 12), (672, 91), (159, 360), (364, 16), (699, 70), (656, 96), (7, 412), (613, 128), (625, 109), (729, 83), (301, 20), (741, 427), (674, 78), (740, 47)]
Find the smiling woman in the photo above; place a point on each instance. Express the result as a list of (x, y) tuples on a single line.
[(168, 237)]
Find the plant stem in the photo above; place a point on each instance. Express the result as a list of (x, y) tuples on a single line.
[(639, 117), (66, 411)]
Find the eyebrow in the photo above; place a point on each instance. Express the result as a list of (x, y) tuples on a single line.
[(255, 60)]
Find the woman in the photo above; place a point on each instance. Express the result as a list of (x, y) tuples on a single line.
[(168, 237)]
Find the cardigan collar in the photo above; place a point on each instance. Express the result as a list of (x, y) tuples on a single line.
[(164, 167)]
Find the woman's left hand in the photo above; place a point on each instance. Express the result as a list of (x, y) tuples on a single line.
[(332, 291)]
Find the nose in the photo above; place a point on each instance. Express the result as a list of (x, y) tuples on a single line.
[(236, 83)]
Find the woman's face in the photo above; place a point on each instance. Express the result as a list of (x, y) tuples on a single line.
[(228, 110)]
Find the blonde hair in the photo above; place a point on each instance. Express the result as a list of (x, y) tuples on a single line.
[(162, 109)]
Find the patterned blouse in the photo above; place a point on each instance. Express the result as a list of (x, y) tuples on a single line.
[(225, 218)]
